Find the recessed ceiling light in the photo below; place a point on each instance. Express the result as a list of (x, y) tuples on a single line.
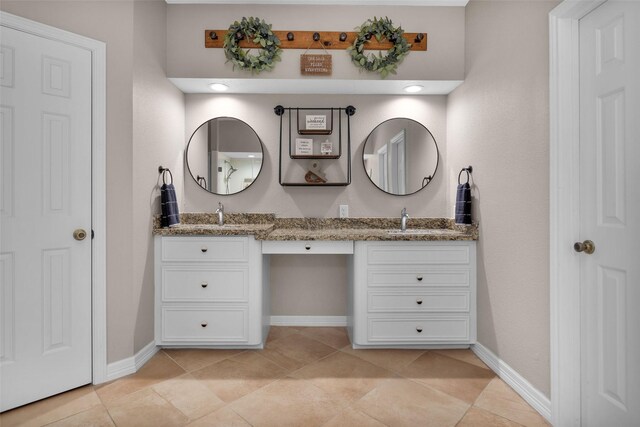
[(218, 87), (413, 88)]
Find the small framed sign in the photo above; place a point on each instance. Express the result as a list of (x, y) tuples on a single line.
[(326, 148), (315, 65), (316, 122), (304, 147)]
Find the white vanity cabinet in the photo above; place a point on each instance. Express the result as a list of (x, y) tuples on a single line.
[(413, 294), (209, 291)]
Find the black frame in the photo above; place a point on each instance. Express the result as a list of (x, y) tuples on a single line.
[(186, 156)]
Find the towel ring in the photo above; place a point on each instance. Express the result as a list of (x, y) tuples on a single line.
[(164, 171), (468, 170)]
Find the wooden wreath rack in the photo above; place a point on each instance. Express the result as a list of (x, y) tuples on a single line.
[(327, 39)]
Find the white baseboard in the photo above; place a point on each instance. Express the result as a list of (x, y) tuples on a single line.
[(309, 320), (524, 388), (132, 364)]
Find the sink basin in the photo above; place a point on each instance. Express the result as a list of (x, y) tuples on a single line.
[(216, 226), (410, 231)]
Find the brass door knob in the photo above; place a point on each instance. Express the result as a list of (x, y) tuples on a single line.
[(588, 247), (79, 234)]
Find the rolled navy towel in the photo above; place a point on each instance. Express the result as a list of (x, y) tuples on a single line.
[(463, 204), (170, 215)]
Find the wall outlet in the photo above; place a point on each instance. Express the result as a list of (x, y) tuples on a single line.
[(344, 211)]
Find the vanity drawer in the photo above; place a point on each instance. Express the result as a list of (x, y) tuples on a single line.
[(422, 277), (419, 330), (201, 284), (418, 302), (205, 249), (205, 325), (307, 247), (418, 253)]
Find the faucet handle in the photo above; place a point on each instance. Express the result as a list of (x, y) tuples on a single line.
[(220, 207), (404, 212)]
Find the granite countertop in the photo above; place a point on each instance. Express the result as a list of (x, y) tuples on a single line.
[(268, 227)]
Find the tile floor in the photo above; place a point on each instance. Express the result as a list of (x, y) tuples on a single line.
[(304, 377)]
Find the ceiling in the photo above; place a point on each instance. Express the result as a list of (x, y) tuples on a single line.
[(332, 2)]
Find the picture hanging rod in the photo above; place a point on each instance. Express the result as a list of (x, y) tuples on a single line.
[(317, 40)]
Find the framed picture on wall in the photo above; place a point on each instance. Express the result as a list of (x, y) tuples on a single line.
[(304, 147)]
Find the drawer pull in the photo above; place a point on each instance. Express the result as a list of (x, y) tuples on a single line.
[(204, 249), (307, 247), (419, 278), (419, 329), (419, 301), (204, 284), (204, 324)]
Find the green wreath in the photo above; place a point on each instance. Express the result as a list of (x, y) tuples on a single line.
[(383, 64), (258, 31)]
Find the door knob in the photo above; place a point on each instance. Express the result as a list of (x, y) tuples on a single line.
[(79, 234), (587, 247)]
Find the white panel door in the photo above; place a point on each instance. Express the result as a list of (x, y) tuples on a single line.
[(610, 214), (45, 296)]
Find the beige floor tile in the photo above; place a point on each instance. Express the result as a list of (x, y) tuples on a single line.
[(96, 417), (159, 368), (352, 418), (190, 396), (334, 337), (400, 402), (145, 408), (465, 355), (52, 409), (276, 332), (294, 351), (476, 417), (454, 377), (391, 359), (344, 376), (224, 417), (233, 378), (288, 402), (192, 359), (500, 399)]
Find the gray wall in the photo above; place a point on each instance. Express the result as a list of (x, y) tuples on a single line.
[(187, 56), (158, 125), (498, 122), (363, 198)]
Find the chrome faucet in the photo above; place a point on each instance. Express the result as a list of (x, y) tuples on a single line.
[(220, 212), (404, 217)]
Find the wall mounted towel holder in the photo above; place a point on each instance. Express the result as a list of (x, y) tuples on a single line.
[(162, 170), (468, 170)]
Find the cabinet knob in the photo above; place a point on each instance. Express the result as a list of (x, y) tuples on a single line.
[(307, 247), (419, 329), (204, 284), (419, 301), (204, 324), (419, 278), (204, 249)]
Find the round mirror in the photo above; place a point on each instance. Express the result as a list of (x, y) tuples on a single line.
[(400, 156), (224, 155)]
